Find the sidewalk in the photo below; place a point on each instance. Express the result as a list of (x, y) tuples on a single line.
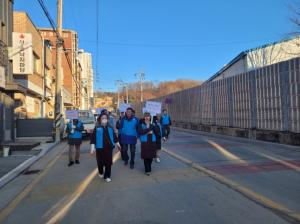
[(18, 161)]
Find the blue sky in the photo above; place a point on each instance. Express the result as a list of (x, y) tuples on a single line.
[(167, 39)]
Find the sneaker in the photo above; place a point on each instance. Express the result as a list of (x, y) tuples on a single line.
[(77, 162), (108, 180), (100, 175), (157, 160), (148, 173), (71, 163)]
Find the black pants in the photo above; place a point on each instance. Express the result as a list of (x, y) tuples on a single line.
[(107, 171), (166, 129), (147, 163), (123, 156), (132, 152), (122, 151)]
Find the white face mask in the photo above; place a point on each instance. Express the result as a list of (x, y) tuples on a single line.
[(104, 121)]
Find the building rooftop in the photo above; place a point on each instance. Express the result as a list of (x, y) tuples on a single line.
[(244, 54)]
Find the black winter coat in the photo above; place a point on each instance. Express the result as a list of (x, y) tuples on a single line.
[(148, 149)]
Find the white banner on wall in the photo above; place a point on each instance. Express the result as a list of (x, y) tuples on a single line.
[(22, 54)]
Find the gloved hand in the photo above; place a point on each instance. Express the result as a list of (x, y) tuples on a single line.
[(118, 145), (92, 149), (164, 139)]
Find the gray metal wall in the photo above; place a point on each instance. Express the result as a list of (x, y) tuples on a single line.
[(6, 118), (34, 127), (267, 99)]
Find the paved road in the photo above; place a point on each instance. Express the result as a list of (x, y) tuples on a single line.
[(176, 192)]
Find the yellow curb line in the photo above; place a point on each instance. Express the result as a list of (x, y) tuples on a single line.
[(262, 200), (64, 208)]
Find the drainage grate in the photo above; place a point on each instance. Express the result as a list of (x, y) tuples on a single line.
[(30, 172)]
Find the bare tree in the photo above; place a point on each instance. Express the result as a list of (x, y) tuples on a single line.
[(295, 18)]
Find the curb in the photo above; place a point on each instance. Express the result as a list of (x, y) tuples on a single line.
[(27, 163), (278, 209)]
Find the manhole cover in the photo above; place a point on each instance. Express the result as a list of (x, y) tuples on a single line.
[(30, 172)]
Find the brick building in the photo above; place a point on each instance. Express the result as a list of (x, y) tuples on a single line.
[(7, 85), (71, 86), (33, 69)]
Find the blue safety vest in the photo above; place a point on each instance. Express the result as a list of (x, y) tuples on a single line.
[(129, 126), (99, 137), (111, 121), (165, 120), (144, 138), (75, 134)]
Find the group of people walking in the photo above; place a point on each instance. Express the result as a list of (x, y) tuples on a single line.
[(123, 135)]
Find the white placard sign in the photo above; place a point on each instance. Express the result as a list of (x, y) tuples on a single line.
[(153, 107), (144, 110), (123, 107), (22, 53), (98, 110), (71, 114)]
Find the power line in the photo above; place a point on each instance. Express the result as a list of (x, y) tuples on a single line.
[(59, 38), (170, 44), (43, 6)]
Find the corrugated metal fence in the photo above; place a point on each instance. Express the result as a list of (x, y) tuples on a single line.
[(266, 99)]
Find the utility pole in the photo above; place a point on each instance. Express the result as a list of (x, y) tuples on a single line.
[(141, 77), (118, 84), (126, 90), (58, 93)]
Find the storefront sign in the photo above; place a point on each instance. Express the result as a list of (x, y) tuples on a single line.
[(22, 54)]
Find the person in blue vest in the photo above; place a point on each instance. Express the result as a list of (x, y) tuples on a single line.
[(74, 130), (118, 127), (111, 119), (103, 141), (128, 127), (159, 136), (147, 134), (165, 121)]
